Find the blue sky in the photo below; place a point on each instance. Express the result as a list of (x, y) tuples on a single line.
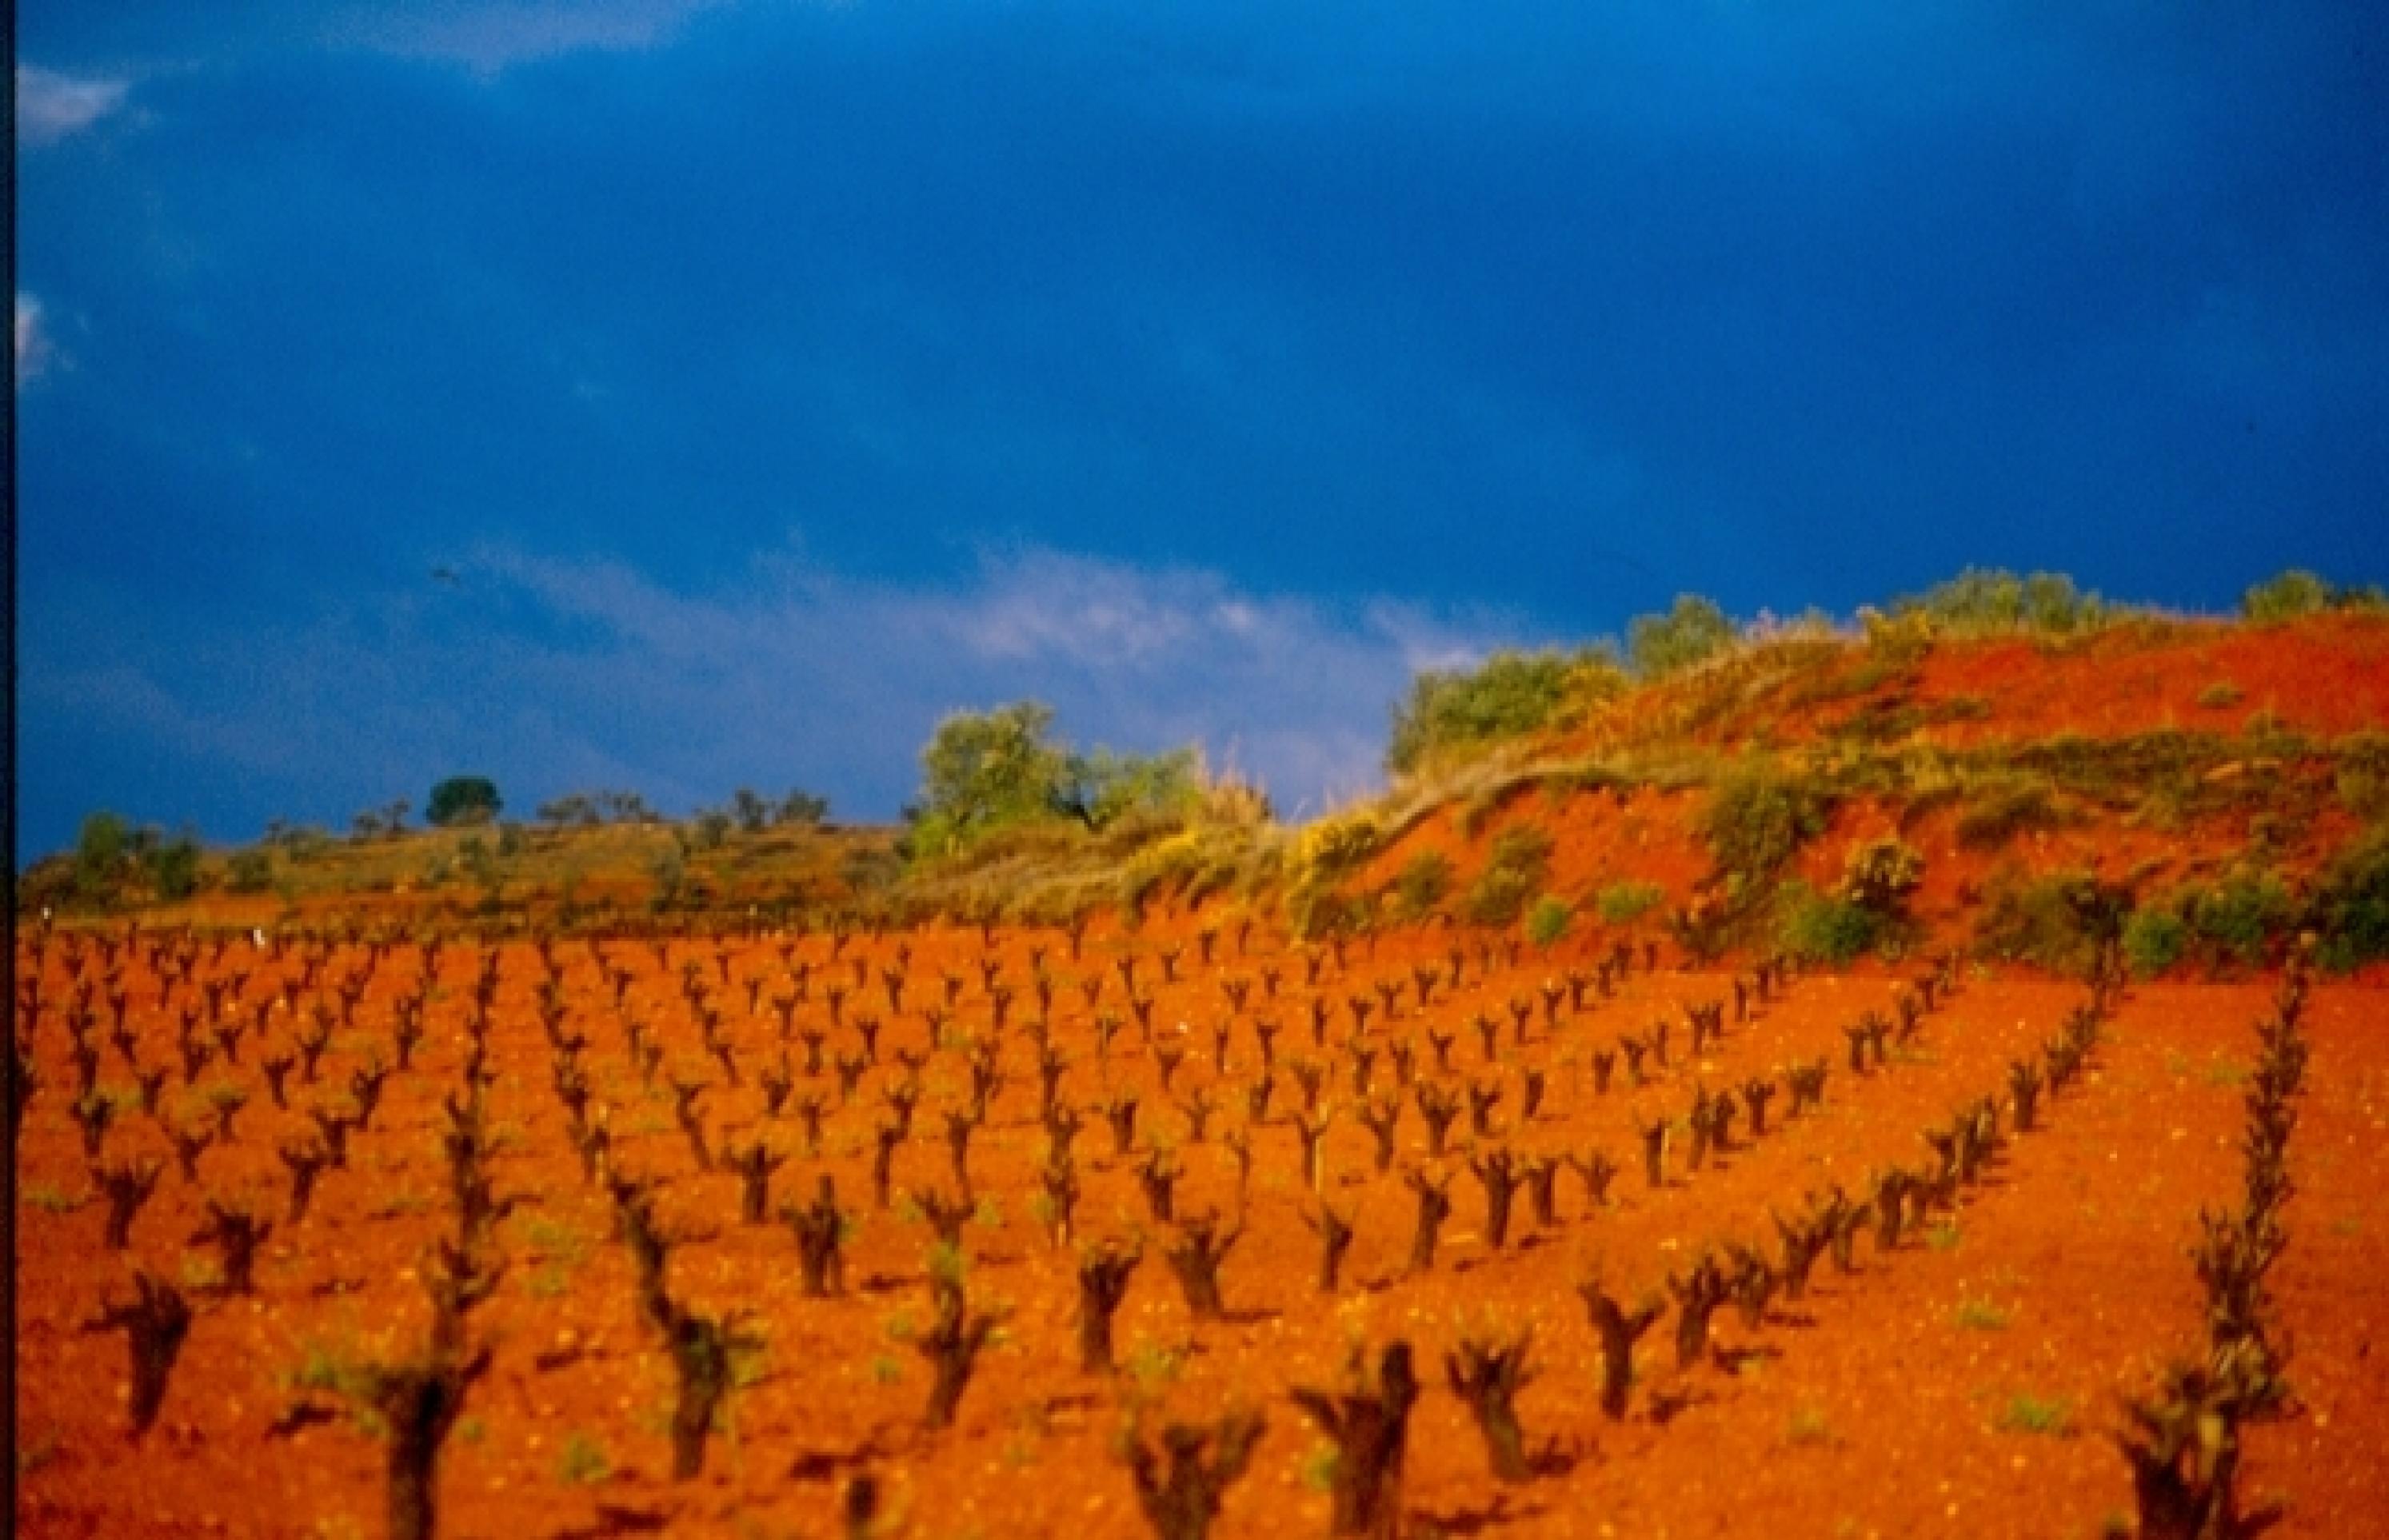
[(776, 376)]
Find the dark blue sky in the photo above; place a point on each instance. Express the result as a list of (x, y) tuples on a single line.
[(776, 376)]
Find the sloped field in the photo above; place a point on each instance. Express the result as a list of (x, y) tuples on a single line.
[(1958, 1382)]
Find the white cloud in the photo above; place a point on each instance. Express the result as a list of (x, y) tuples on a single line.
[(33, 348), (1294, 691), (553, 674), (52, 105), (488, 36)]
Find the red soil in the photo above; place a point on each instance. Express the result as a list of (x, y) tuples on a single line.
[(2324, 676), (1867, 1409), (2327, 676)]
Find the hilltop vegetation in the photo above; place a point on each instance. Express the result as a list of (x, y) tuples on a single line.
[(2005, 764)]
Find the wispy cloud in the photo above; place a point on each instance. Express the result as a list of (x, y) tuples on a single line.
[(52, 105), (33, 342), (1288, 688), (488, 36), (559, 673)]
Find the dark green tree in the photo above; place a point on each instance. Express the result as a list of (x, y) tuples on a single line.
[(750, 811), (801, 808), (463, 799), (174, 866), (103, 849)]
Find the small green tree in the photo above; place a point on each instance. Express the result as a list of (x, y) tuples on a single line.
[(623, 806), (801, 809), (103, 849), (174, 867), (984, 771), (463, 799), (574, 810)]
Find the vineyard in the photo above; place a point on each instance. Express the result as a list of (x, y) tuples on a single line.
[(953, 1230), (836, 771)]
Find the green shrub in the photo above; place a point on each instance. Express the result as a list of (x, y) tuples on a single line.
[(2364, 792), (480, 861), (250, 871), (1990, 600), (1508, 695), (709, 830), (304, 844), (2296, 592), (1688, 635), (1821, 929), (1102, 788), (582, 1462), (2060, 921), (2153, 940), (1623, 903), (2350, 909), (1548, 921), (2264, 722), (1515, 872), (1315, 911), (667, 870), (1332, 846), (1425, 880), (2236, 919), (1976, 1313), (2221, 693), (2285, 596), (2362, 779), (2051, 1416), (174, 867), (1894, 644), (1879, 874), (2003, 807), (1756, 818), (1166, 866)]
